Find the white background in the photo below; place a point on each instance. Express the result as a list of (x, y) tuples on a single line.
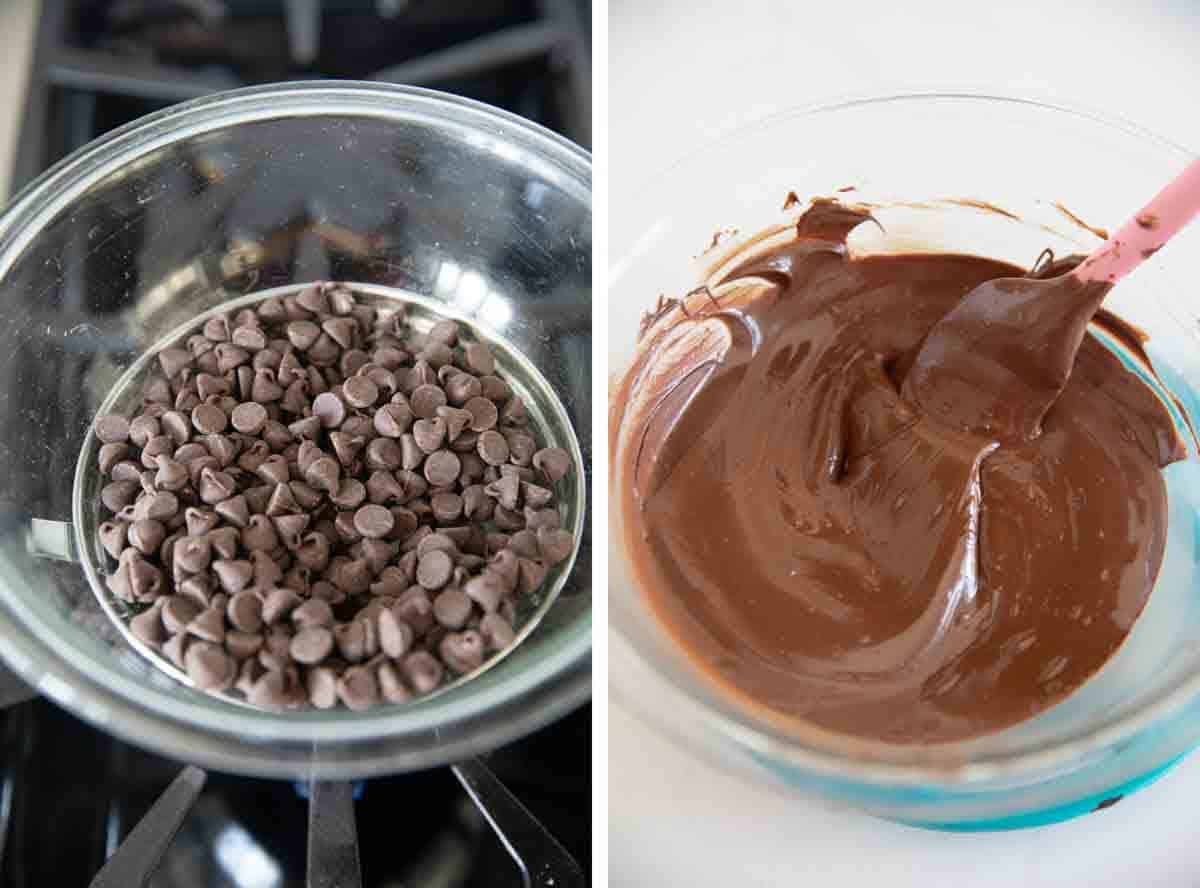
[(681, 72)]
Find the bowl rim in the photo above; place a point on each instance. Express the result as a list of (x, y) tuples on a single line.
[(874, 766), (559, 681)]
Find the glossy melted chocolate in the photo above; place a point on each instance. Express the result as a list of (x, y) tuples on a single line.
[(818, 515)]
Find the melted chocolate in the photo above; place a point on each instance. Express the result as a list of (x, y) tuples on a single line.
[(821, 545)]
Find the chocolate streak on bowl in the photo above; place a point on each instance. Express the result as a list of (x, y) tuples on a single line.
[(820, 548)]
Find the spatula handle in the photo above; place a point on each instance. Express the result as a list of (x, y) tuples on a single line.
[(1139, 238)]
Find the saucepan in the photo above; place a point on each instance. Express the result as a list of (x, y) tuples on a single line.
[(472, 212)]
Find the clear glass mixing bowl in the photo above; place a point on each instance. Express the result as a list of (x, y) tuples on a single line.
[(475, 212), (1142, 711)]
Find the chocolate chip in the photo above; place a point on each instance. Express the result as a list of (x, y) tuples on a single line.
[(446, 507), (556, 545), (429, 434), (434, 569), (390, 685), (462, 651), (323, 352), (506, 491), (494, 388), (270, 691), (321, 683), (274, 470), (142, 428), (208, 625), (259, 534), (193, 553), (437, 354), (445, 332), (161, 506), (350, 493), (163, 445), (484, 414), (249, 418), (173, 360), (278, 603), (311, 645), (426, 399), (155, 391), (384, 453), (536, 519), (324, 474), (224, 541), (351, 640), (393, 420), (146, 535), (553, 462), (111, 454), (358, 688), (422, 671), (341, 330), (208, 666), (373, 521), (290, 527), (329, 408), (215, 486), (395, 636), (234, 510), (245, 611), (441, 468), (233, 575), (147, 626), (242, 645), (530, 576), (479, 358), (302, 334), (113, 536), (513, 412), (352, 576), (411, 455), (112, 428), (266, 388), (360, 392), (126, 470), (314, 612), (507, 519), (462, 387), (118, 494), (452, 608), (492, 448), (230, 356), (456, 421), (487, 590), (171, 475), (208, 420), (497, 632), (222, 449), (476, 504)]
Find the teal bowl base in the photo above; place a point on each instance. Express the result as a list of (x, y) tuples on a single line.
[(1057, 814)]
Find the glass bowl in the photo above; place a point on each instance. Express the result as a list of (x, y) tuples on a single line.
[(938, 164), (468, 211)]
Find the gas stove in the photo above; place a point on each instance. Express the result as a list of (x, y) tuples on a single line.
[(71, 796)]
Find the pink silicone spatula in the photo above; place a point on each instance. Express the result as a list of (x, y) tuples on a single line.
[(1000, 358)]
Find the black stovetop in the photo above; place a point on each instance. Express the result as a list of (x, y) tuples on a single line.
[(69, 793)]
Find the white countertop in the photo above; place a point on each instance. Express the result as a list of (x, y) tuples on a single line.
[(682, 72)]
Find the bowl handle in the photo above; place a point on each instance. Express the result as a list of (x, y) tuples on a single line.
[(52, 539)]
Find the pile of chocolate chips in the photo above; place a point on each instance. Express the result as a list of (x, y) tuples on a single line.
[(318, 503)]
